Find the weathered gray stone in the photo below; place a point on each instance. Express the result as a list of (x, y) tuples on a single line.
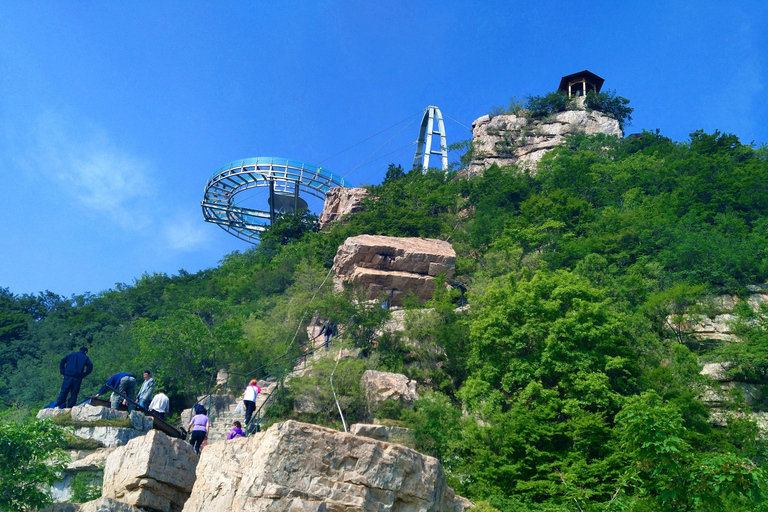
[(517, 140), (141, 422), (382, 386), (385, 433), (339, 202), (154, 471), (296, 467), (717, 371), (50, 413), (392, 266), (725, 393), (108, 436), (88, 413)]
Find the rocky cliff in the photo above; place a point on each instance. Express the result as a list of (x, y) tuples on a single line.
[(522, 141), (301, 467)]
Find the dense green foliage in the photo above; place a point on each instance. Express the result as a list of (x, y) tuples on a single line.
[(568, 384), (607, 102), (30, 458)]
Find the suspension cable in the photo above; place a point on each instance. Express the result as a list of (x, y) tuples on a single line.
[(380, 147), (372, 136)]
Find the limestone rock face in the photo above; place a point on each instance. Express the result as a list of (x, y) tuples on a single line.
[(381, 386), (340, 202), (300, 467), (96, 413), (50, 413), (518, 140), (141, 422), (397, 435), (154, 471), (108, 436), (393, 266)]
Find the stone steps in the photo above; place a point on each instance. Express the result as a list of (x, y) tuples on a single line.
[(222, 424)]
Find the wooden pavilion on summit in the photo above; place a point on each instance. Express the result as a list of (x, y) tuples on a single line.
[(579, 84)]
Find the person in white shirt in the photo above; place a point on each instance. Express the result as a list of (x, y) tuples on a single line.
[(159, 404), (249, 400)]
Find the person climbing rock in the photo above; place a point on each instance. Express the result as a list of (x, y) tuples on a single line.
[(125, 383)]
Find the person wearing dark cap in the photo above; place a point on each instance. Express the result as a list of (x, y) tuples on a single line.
[(74, 368)]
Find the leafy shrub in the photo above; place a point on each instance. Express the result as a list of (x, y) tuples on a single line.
[(86, 486), (610, 103), (552, 103)]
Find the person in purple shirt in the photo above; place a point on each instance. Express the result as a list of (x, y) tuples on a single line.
[(198, 427), (237, 431)]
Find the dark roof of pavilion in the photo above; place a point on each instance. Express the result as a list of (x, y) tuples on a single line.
[(588, 75)]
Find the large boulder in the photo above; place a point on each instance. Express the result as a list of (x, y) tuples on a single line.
[(382, 386), (519, 140), (43, 414), (107, 436), (88, 413), (154, 471), (339, 202), (300, 467), (392, 266)]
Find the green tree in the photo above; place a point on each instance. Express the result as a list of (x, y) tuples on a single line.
[(188, 346), (666, 473), (31, 460)]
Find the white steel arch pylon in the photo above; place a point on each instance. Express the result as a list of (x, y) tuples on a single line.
[(424, 144)]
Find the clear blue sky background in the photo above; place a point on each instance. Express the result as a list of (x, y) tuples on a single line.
[(113, 115)]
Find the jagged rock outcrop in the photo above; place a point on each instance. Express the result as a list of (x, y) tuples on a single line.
[(300, 467), (339, 202), (154, 471), (392, 266), (718, 324), (518, 140), (382, 386), (386, 433)]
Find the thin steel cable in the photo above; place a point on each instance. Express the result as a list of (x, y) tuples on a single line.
[(401, 150), (377, 150), (372, 136), (458, 123)]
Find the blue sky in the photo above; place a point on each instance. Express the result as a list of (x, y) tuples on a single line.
[(113, 115)]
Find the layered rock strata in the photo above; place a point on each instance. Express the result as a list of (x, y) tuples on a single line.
[(154, 471), (393, 267), (300, 467), (339, 202), (522, 141)]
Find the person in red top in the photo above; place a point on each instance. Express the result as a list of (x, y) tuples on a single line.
[(249, 399)]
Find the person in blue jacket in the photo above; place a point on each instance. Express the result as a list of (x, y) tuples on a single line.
[(125, 383), (74, 368)]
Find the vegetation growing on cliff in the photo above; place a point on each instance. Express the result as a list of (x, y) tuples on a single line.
[(561, 388)]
